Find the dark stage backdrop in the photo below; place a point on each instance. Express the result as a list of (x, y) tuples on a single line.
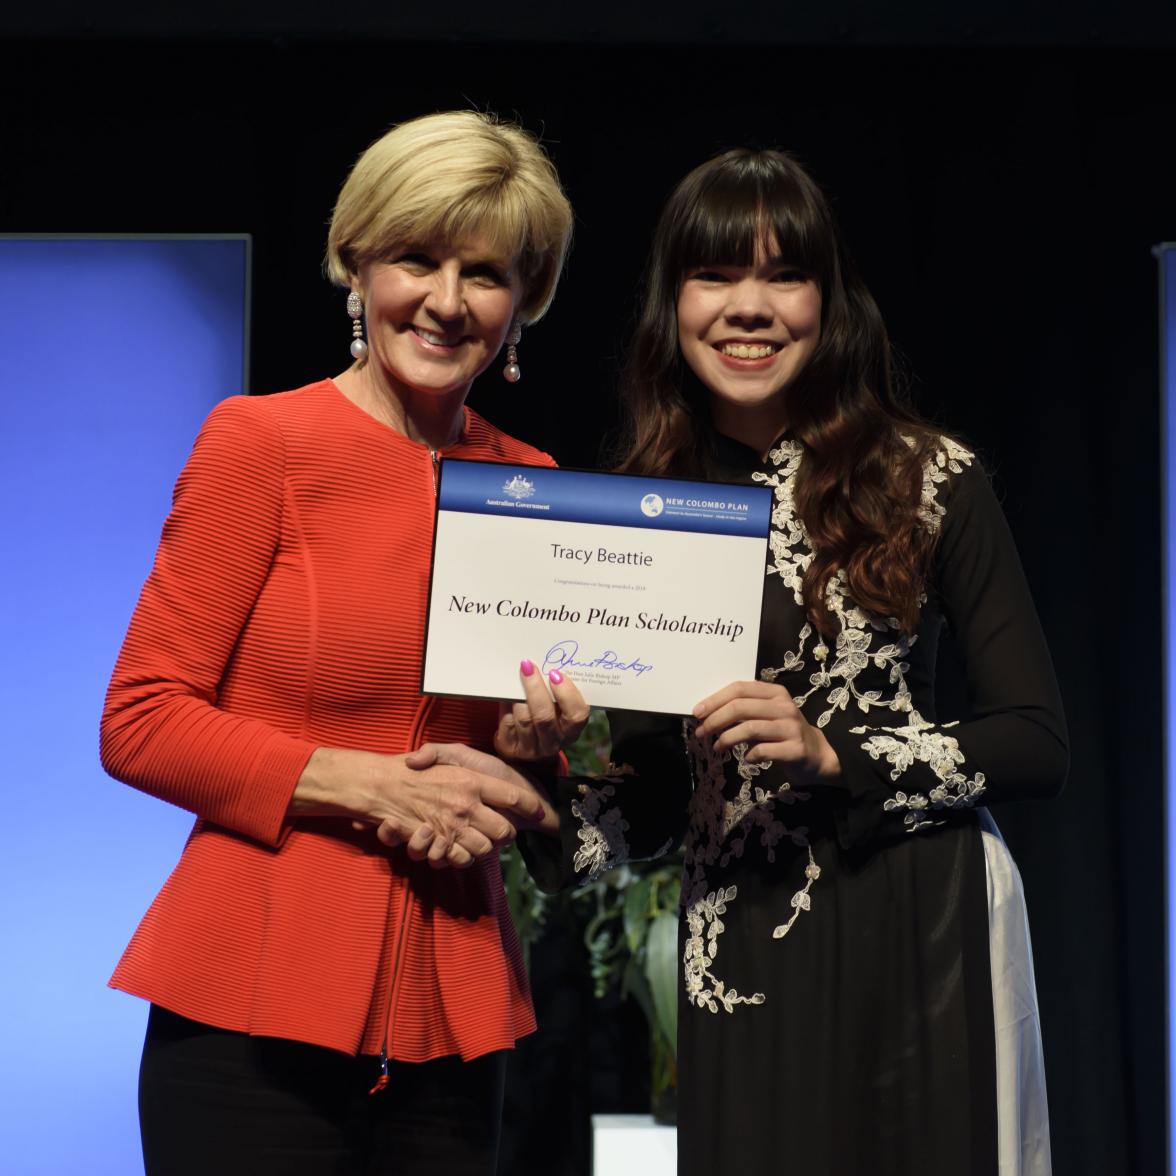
[(1001, 204)]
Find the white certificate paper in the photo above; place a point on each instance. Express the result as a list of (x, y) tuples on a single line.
[(645, 591)]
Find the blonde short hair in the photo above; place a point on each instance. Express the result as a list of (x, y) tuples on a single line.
[(447, 176)]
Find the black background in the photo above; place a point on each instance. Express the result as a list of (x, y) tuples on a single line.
[(1001, 176)]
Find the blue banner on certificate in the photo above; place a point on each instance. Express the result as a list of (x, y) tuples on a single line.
[(645, 591)]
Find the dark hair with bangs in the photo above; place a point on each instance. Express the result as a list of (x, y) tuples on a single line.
[(859, 489)]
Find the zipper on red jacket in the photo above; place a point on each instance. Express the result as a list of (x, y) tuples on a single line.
[(414, 739), (382, 1081)]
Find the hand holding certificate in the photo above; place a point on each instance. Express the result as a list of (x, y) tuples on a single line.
[(646, 591), (546, 722)]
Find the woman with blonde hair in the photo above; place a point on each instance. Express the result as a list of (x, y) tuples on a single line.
[(309, 948)]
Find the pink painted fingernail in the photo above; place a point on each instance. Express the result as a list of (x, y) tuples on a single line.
[(555, 677), (526, 667)]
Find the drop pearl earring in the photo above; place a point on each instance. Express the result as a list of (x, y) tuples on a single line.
[(359, 347), (512, 373)]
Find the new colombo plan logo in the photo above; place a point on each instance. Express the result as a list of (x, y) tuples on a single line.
[(518, 487), (652, 505)]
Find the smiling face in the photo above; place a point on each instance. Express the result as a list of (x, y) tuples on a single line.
[(747, 331), (437, 315)]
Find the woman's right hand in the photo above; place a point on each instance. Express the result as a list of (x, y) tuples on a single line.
[(443, 813)]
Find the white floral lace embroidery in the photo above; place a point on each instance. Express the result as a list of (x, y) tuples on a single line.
[(948, 457), (921, 742), (861, 638), (603, 844), (719, 828), (855, 645)]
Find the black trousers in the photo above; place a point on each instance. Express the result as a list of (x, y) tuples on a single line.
[(217, 1103)]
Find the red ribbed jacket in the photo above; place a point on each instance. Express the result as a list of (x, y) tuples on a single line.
[(285, 611)]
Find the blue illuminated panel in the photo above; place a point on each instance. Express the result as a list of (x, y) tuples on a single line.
[(1167, 258), (114, 350)]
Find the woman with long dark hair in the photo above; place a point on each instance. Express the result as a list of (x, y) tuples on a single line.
[(857, 988)]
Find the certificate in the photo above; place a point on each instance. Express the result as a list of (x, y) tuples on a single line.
[(646, 591)]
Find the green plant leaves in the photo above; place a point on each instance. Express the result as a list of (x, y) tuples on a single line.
[(636, 911), (661, 971), (629, 916), (588, 756)]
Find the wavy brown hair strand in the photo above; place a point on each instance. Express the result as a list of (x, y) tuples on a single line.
[(859, 489)]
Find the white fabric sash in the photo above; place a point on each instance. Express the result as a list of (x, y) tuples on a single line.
[(1022, 1110)]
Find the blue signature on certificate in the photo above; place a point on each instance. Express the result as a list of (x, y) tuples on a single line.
[(564, 655)]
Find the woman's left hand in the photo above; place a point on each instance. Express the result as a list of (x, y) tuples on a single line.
[(763, 715), (550, 719)]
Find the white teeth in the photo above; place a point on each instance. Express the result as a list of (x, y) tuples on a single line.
[(434, 338), (748, 350)]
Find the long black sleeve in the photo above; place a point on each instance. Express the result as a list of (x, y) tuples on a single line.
[(1014, 745)]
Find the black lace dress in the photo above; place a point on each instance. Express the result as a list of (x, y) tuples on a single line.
[(857, 988)]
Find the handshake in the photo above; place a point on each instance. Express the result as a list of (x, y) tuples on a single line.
[(447, 803), (459, 804)]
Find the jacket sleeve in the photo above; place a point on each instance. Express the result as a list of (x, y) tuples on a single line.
[(636, 811), (912, 774), (162, 730)]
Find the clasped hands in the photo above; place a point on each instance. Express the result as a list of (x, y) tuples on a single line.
[(480, 807)]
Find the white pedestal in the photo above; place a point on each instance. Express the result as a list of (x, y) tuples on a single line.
[(633, 1145)]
